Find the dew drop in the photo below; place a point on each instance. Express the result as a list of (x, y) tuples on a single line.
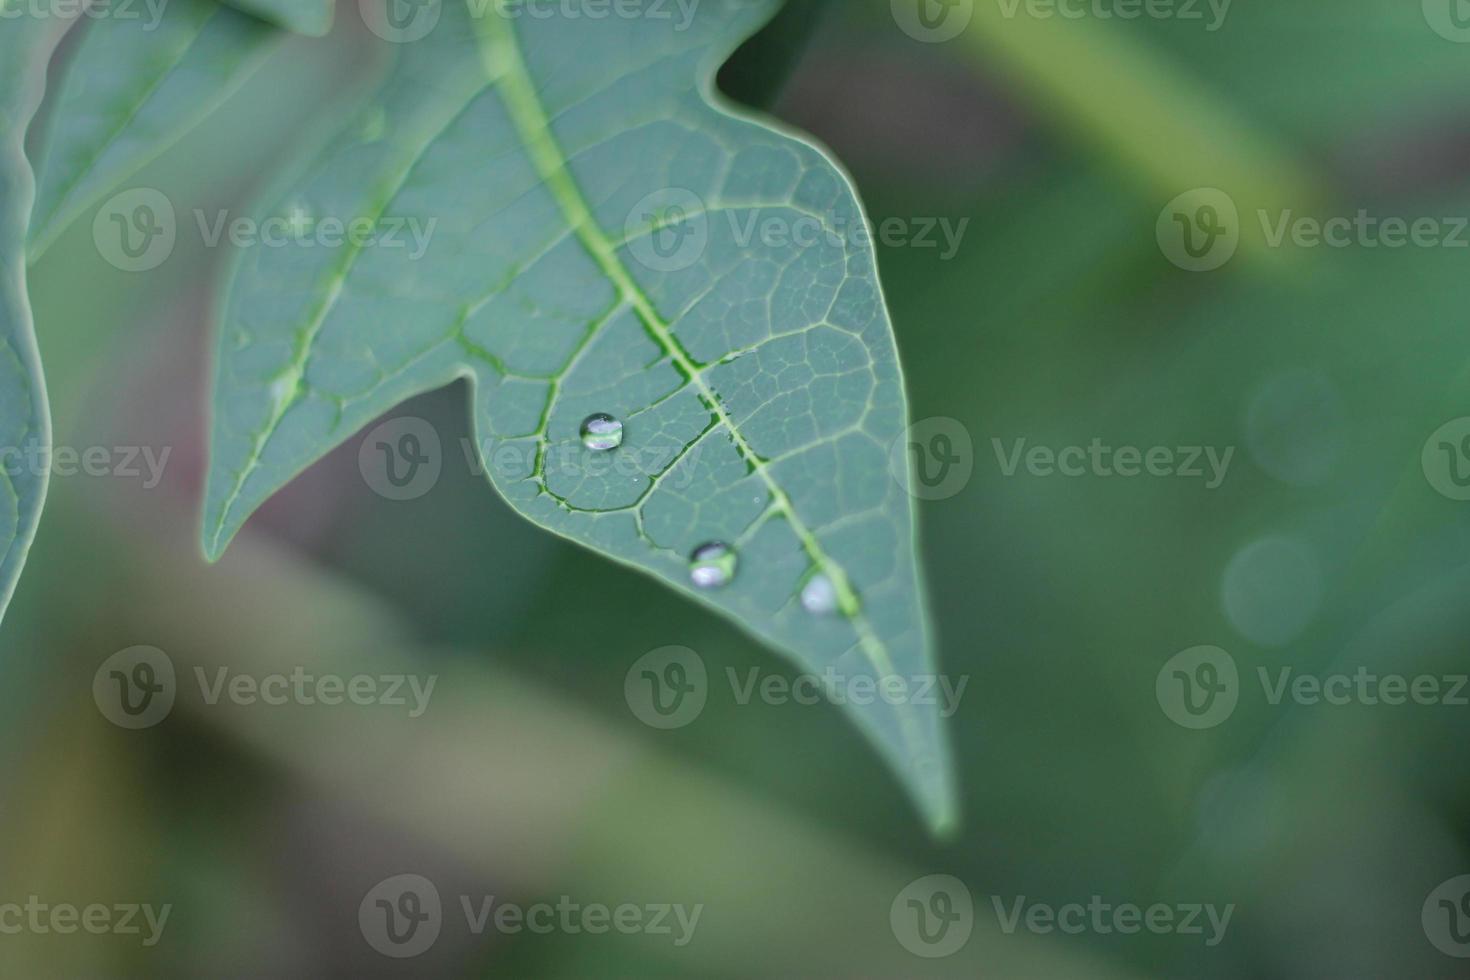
[(819, 596), (602, 433), (712, 565)]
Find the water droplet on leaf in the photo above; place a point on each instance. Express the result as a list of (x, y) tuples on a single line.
[(819, 596), (712, 566), (601, 433)]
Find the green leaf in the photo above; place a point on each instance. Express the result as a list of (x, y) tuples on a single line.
[(758, 381), (26, 43), (133, 88), (310, 17)]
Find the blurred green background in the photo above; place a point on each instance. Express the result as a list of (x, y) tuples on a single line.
[(1059, 320)]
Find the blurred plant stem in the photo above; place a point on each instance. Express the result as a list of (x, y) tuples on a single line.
[(1157, 123), (545, 798)]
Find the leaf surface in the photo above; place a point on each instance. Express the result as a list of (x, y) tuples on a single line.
[(131, 90), (26, 44), (597, 246), (310, 17)]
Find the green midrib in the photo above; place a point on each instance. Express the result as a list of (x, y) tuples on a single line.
[(505, 67)]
